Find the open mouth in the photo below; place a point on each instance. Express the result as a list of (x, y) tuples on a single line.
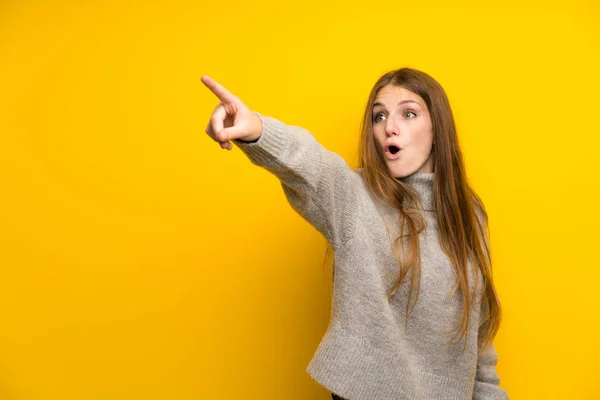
[(392, 152)]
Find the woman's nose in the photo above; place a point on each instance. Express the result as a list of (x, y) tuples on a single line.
[(391, 128)]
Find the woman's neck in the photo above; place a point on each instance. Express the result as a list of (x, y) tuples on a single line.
[(422, 182)]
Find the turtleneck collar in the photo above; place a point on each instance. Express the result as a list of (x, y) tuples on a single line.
[(422, 182)]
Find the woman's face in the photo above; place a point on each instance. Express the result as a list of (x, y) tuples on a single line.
[(402, 128)]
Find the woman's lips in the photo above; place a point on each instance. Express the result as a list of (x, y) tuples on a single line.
[(392, 156)]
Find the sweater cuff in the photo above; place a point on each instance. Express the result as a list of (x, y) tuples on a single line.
[(269, 145)]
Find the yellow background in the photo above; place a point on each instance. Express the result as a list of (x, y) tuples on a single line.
[(138, 260)]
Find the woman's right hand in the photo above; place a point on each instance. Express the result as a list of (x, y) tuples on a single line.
[(231, 119)]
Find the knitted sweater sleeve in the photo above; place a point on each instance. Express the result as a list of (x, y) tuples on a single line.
[(487, 381), (317, 182)]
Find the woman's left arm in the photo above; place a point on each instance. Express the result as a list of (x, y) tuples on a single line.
[(487, 381)]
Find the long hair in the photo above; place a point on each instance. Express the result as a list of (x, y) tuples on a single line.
[(460, 213)]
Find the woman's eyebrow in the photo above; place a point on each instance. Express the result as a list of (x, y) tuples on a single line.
[(402, 102)]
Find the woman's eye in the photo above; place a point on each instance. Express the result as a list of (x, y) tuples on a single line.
[(375, 118)]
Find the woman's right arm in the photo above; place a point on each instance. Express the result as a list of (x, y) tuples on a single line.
[(316, 181)]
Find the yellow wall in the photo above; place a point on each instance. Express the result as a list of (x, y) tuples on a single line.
[(138, 260)]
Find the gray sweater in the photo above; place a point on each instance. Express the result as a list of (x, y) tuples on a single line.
[(367, 352)]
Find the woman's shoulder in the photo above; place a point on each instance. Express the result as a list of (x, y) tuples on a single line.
[(358, 178), (358, 173), (365, 196)]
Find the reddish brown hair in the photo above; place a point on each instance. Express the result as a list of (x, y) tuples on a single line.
[(460, 213)]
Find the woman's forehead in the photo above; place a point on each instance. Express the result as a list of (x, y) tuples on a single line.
[(394, 95), (397, 92)]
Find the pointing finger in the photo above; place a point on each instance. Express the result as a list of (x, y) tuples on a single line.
[(223, 94)]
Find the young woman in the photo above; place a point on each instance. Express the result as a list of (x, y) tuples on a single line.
[(404, 226)]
